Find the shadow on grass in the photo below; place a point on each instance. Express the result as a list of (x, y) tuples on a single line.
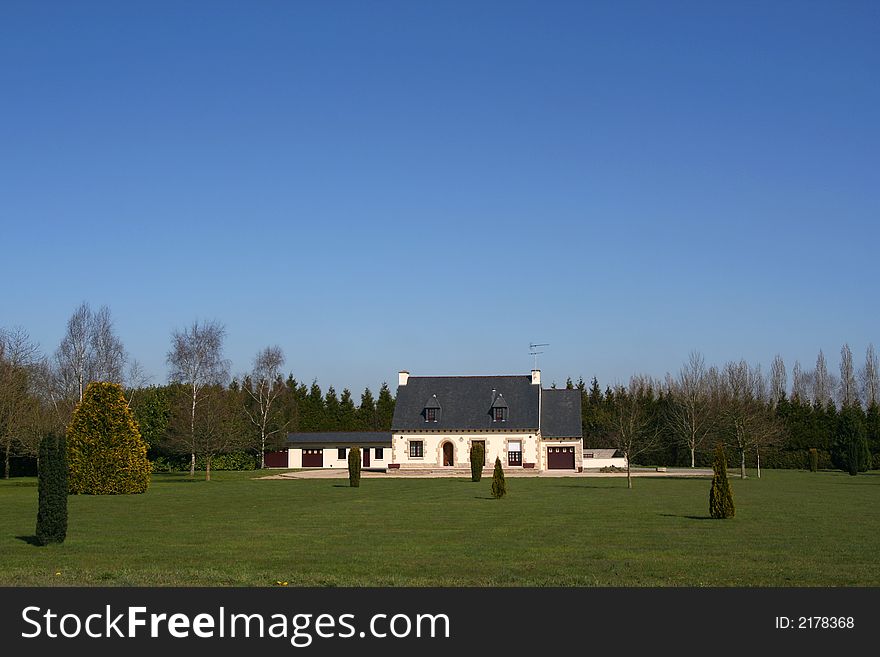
[(676, 515), (30, 540)]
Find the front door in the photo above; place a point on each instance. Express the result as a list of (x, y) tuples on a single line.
[(366, 462), (447, 453)]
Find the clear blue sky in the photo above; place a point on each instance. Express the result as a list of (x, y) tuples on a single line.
[(378, 186)]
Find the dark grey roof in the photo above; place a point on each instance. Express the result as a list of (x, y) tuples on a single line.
[(467, 403), (433, 402), (341, 438), (561, 414), (499, 402)]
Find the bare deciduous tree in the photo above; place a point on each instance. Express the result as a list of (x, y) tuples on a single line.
[(823, 383), (748, 422), (690, 411), (263, 386), (74, 353), (633, 430), (90, 351), (196, 360), (18, 406), (870, 378), (847, 389), (801, 384), (778, 380), (108, 354)]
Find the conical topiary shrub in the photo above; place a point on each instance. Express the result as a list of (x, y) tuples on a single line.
[(52, 491), (478, 459), (499, 486), (105, 452), (720, 496), (354, 467)]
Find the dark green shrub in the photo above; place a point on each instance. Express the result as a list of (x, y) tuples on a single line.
[(850, 450), (354, 467), (478, 459), (499, 486), (52, 491), (814, 460), (720, 495)]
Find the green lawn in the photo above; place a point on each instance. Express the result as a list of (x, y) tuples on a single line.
[(791, 528)]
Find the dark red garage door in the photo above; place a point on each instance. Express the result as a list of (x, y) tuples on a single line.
[(313, 458), (560, 458), (276, 459)]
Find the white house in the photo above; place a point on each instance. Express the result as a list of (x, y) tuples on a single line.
[(438, 418)]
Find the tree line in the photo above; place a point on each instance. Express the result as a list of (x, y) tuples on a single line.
[(759, 419), (204, 412)]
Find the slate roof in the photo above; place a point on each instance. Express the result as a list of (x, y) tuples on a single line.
[(561, 414), (467, 403), (341, 438)]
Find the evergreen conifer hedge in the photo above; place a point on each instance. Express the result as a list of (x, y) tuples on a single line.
[(720, 495), (499, 486), (52, 491), (354, 467), (478, 459), (105, 452)]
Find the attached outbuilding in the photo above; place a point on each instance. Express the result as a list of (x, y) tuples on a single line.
[(329, 449)]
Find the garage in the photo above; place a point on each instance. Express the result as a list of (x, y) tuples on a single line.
[(313, 458), (276, 459), (560, 458)]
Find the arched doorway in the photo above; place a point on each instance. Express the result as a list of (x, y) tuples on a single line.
[(448, 453)]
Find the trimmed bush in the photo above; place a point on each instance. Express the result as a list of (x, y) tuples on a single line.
[(814, 460), (720, 495), (499, 486), (180, 463), (478, 459), (52, 491), (105, 452), (354, 467)]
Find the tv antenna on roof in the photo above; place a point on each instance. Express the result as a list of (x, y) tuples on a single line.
[(533, 350)]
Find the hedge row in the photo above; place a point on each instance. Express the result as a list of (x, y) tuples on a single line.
[(231, 461)]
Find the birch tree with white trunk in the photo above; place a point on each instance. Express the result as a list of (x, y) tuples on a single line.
[(196, 361), (264, 385)]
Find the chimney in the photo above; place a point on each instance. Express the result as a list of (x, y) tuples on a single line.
[(402, 377), (536, 377)]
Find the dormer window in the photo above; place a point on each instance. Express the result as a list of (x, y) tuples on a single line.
[(432, 409), (499, 409)]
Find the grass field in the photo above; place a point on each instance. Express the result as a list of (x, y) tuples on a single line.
[(791, 528)]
